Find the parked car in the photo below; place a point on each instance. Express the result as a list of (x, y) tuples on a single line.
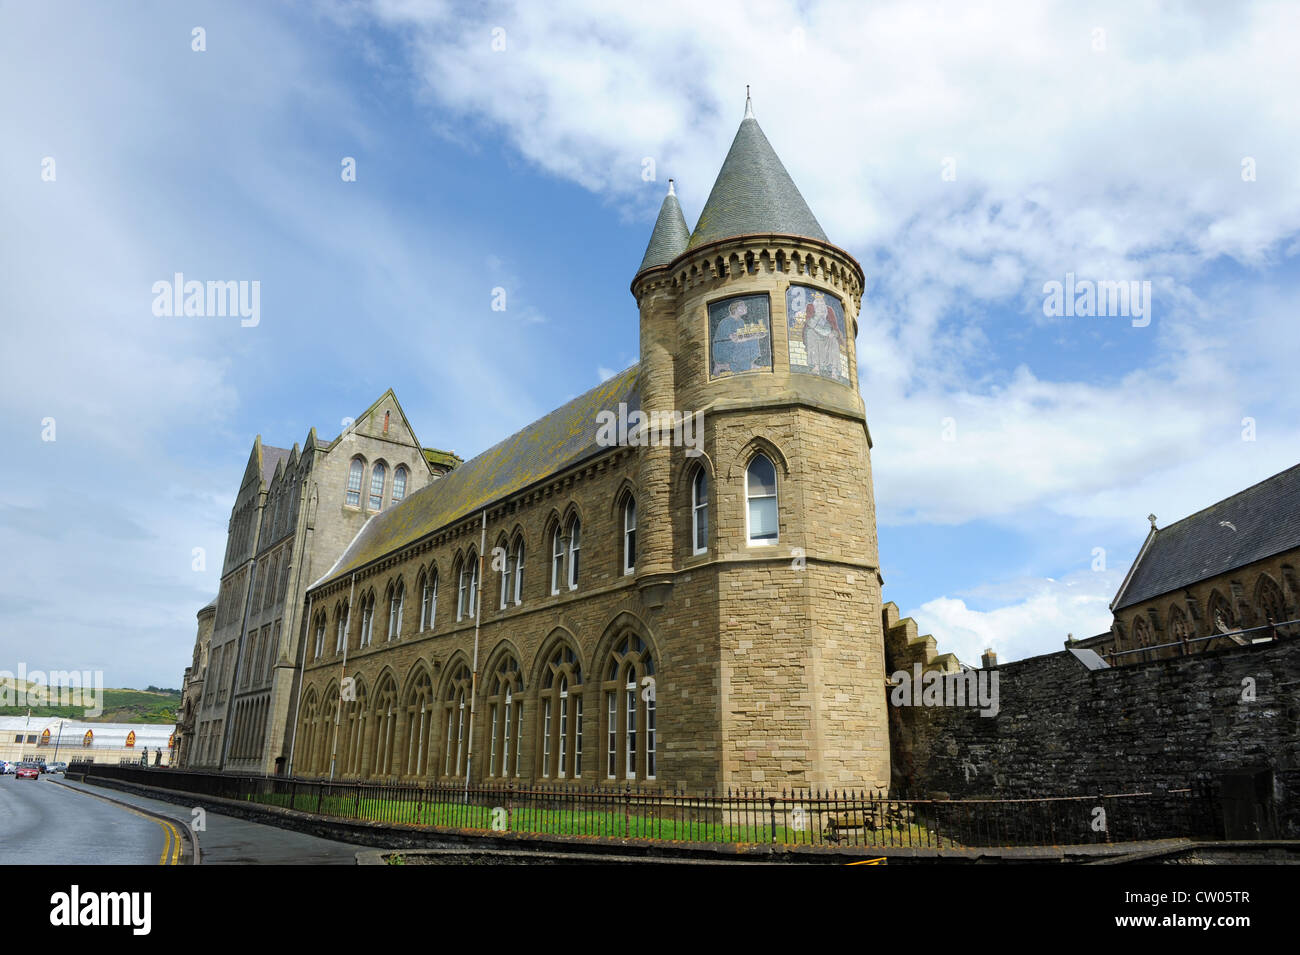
[(29, 771), (59, 767), (8, 767)]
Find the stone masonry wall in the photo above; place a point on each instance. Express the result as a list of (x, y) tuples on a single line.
[(1063, 729)]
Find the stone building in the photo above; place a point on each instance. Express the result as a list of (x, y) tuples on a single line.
[(1223, 576), (590, 605), (295, 512), (192, 683)]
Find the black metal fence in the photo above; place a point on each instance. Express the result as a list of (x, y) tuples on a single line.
[(826, 818)]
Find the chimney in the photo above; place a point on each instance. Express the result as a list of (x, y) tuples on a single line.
[(989, 660)]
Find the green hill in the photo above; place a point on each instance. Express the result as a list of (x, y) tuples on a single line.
[(154, 705)]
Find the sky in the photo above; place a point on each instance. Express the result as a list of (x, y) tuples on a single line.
[(965, 154)]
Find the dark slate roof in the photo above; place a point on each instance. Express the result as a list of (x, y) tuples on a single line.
[(754, 193), (670, 235), (551, 444), (271, 456), (1267, 521)]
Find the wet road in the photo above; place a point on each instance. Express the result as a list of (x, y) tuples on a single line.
[(225, 840), (42, 822)]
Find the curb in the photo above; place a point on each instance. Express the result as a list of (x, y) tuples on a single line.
[(195, 853)]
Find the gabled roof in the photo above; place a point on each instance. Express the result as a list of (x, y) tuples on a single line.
[(271, 457), (753, 194), (1258, 522), (670, 235), (549, 445)]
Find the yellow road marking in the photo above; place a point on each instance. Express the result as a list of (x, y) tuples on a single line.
[(171, 836)]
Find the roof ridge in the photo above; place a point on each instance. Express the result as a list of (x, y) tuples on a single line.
[(1225, 500)]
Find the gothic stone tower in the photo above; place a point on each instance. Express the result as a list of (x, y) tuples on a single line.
[(773, 652)]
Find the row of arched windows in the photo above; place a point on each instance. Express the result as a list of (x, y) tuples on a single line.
[(1269, 607), (374, 489), (571, 725), (564, 573)]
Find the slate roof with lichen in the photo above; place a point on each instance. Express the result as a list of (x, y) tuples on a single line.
[(753, 194), (1259, 522), (670, 235), (549, 445), (272, 456), (446, 459)]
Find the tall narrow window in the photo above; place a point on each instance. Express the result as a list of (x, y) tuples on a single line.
[(399, 483), (377, 477), (629, 536), (700, 511), (519, 571), (504, 689), (760, 492), (467, 587), (395, 603), (507, 578), (341, 637), (575, 531), (557, 560), (320, 636), (428, 599), (367, 619), (354, 482)]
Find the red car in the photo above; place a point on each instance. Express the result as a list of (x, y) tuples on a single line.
[(28, 771)]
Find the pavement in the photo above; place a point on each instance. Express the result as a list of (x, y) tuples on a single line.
[(223, 840)]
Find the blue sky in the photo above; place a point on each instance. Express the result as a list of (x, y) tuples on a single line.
[(1114, 155)]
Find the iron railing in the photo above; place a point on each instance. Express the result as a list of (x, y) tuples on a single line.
[(813, 818), (1184, 644)]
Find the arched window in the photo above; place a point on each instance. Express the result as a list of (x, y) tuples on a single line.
[(385, 729), (1268, 598), (575, 532), (631, 742), (507, 572), (358, 715), (367, 619), (557, 559), (467, 586), (428, 598), (629, 536), (399, 483), (506, 718), (341, 627), (419, 729), (377, 477), (396, 599), (1178, 626), (760, 493), (355, 471), (455, 710), (320, 636), (561, 714), (518, 561), (1221, 618), (700, 512)]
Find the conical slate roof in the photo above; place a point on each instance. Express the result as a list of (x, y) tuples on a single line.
[(670, 235), (753, 193)]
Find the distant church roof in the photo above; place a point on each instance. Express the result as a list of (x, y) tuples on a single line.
[(549, 445), (1258, 522), (753, 193), (670, 235)]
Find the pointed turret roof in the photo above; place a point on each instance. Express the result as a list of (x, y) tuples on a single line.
[(753, 193), (670, 235)]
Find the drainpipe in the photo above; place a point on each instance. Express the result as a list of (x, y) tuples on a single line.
[(473, 680), (343, 669)]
